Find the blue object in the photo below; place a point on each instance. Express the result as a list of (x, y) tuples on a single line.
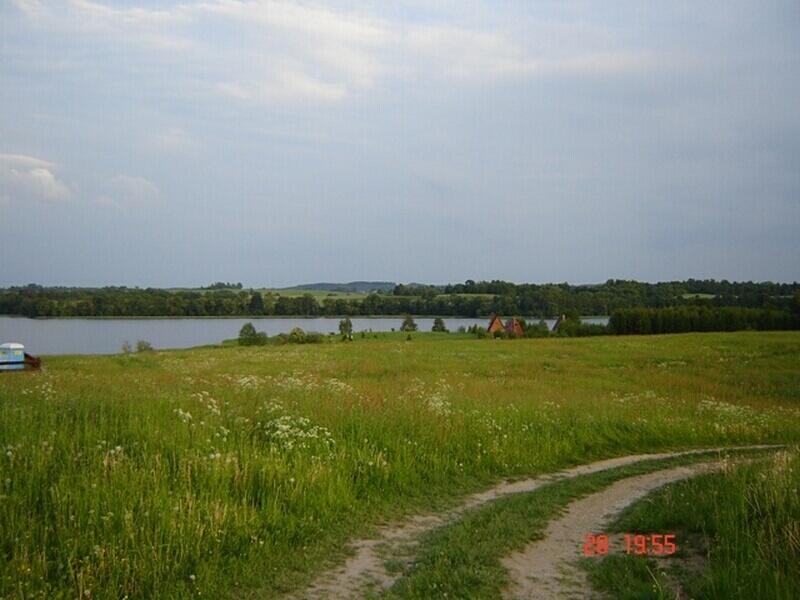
[(12, 357)]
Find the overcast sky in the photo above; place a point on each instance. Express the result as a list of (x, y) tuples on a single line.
[(273, 143)]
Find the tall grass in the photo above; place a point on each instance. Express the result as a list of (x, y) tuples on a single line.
[(211, 471)]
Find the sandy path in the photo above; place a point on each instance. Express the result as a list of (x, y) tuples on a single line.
[(366, 569), (548, 567)]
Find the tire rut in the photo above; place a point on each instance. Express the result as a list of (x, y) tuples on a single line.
[(365, 570), (548, 568)]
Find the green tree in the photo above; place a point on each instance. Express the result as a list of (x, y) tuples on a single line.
[(256, 306), (297, 336), (248, 336), (346, 329), (408, 324), (438, 325)]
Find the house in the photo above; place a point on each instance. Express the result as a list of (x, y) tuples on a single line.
[(496, 324), (514, 327), (511, 327)]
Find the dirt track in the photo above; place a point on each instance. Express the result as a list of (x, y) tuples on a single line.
[(548, 568), (365, 569)]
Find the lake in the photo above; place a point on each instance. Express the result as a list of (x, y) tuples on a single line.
[(106, 336)]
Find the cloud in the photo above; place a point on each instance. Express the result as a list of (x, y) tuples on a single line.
[(126, 191), (284, 85), (148, 27), (175, 140), (477, 56), (299, 52), (26, 177), (277, 52)]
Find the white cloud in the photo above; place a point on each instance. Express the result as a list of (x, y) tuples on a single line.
[(27, 177), (276, 51), (124, 191), (175, 140), (476, 56), (149, 28), (298, 52), (285, 85)]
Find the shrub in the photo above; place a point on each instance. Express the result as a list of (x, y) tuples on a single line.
[(438, 325), (408, 324), (144, 346), (536, 331), (248, 336), (297, 336), (478, 332), (346, 329)]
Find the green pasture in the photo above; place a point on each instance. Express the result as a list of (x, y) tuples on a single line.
[(229, 471)]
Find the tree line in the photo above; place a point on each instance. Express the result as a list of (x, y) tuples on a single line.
[(682, 319), (471, 299)]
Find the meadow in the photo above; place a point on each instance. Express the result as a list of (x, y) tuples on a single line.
[(228, 471)]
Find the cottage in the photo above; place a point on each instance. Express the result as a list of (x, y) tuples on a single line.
[(495, 325), (512, 326)]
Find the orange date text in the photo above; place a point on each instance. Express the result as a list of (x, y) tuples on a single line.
[(653, 544)]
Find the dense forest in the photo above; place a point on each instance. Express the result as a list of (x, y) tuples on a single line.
[(470, 299), (682, 319)]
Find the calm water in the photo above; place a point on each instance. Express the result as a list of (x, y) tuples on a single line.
[(106, 336)]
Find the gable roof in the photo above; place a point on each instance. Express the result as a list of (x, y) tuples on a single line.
[(514, 326), (495, 324)]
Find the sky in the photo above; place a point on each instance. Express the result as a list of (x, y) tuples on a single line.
[(276, 143)]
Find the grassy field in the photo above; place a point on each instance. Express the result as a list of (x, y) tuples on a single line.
[(319, 295), (224, 471)]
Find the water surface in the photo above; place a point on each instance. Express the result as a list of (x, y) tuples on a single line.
[(106, 336)]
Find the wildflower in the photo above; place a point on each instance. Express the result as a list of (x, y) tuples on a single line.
[(289, 432), (184, 416)]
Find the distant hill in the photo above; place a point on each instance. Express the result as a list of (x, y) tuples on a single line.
[(353, 286)]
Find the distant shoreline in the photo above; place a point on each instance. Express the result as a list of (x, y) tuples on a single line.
[(266, 317)]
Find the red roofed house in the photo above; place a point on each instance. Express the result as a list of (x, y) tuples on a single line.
[(511, 327), (496, 324)]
